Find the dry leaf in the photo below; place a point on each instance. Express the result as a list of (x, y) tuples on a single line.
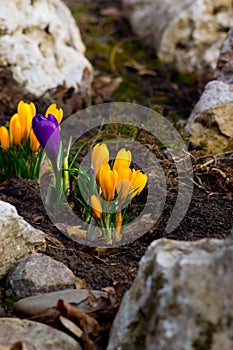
[(71, 326), (76, 231), (105, 86), (19, 345), (80, 284), (140, 68), (88, 324), (111, 11)]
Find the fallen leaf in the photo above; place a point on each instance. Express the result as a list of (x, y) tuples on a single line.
[(76, 231), (19, 345), (140, 68), (105, 86), (80, 284), (111, 11), (71, 326), (87, 323)]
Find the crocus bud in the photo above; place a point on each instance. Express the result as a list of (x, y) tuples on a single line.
[(34, 143), (123, 159), (56, 112), (118, 224), (26, 112), (96, 206), (107, 179), (48, 134), (4, 138), (100, 156), (15, 130)]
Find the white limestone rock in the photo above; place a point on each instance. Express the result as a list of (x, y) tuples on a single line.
[(224, 68), (33, 335), (18, 238), (41, 46), (181, 299), (211, 121), (187, 33)]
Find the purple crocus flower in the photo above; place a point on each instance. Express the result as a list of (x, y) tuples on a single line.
[(47, 132)]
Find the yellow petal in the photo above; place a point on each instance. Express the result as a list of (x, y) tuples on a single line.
[(139, 181), (100, 156), (118, 224), (96, 207), (15, 130), (26, 112), (34, 143), (107, 179), (4, 138), (124, 186), (123, 159), (56, 112)]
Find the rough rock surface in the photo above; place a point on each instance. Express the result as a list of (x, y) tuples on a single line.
[(34, 336), (35, 304), (38, 273), (181, 299), (41, 46), (187, 33), (211, 122), (224, 69), (18, 238)]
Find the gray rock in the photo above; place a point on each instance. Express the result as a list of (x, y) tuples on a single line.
[(34, 336), (38, 273), (41, 46), (224, 69), (181, 299), (18, 238), (211, 121), (187, 33), (35, 304)]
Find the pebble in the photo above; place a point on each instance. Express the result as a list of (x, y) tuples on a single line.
[(35, 304), (37, 274)]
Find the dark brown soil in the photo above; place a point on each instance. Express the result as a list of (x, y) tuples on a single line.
[(210, 214)]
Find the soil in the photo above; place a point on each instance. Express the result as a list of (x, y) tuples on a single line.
[(210, 212)]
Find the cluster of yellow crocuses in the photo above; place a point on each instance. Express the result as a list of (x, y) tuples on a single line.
[(119, 182), (20, 127)]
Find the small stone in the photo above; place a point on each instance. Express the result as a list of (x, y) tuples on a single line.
[(38, 274), (35, 336), (35, 304), (18, 238)]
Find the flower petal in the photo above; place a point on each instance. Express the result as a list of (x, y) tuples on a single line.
[(123, 159)]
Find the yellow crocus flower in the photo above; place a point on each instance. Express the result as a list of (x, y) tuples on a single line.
[(4, 138), (96, 207), (100, 156), (15, 130), (26, 111), (56, 112), (130, 183), (107, 178), (138, 180), (34, 143), (123, 159)]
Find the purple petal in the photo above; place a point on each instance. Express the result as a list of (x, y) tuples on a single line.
[(47, 133)]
